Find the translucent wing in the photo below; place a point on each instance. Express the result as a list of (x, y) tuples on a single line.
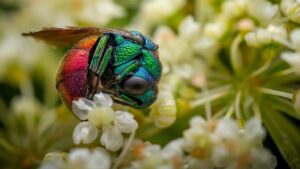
[(69, 35)]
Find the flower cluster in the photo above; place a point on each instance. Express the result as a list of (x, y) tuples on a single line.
[(209, 144), (80, 158), (98, 115), (222, 144), (234, 63)]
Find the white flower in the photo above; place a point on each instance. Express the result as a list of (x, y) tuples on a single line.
[(79, 156), (291, 9), (217, 29), (101, 115), (265, 36), (198, 121), (100, 12), (194, 163), (125, 122), (295, 38), (254, 131), (111, 137), (221, 156), (293, 59), (189, 28), (226, 129), (85, 132), (238, 6), (262, 10), (164, 111), (98, 158), (173, 148), (103, 99), (81, 107), (151, 149), (262, 158), (155, 11)]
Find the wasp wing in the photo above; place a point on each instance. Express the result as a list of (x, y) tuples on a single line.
[(69, 35)]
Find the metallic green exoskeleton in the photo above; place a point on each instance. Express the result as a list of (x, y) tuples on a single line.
[(124, 64)]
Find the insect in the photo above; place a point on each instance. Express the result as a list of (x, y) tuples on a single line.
[(124, 64)]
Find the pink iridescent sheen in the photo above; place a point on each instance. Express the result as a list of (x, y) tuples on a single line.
[(71, 76)]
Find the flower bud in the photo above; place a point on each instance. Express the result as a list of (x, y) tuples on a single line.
[(81, 107), (164, 114), (101, 115), (291, 8), (111, 138), (103, 99), (84, 132), (125, 122)]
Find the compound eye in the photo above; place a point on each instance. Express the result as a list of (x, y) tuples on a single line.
[(135, 85)]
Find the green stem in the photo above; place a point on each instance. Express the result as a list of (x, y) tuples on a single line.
[(219, 113), (207, 105), (124, 151), (210, 98), (256, 110), (229, 112), (237, 105), (235, 56), (285, 72), (276, 93), (262, 69)]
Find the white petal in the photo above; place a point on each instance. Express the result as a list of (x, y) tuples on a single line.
[(79, 156), (81, 107), (194, 163), (99, 159), (220, 156), (101, 115), (295, 38), (262, 158), (262, 10), (226, 129), (293, 59), (84, 132), (103, 99), (165, 114), (151, 149), (174, 148), (125, 122), (189, 28), (111, 138), (198, 121), (254, 130)]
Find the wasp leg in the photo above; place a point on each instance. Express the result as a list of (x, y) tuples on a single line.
[(128, 100), (125, 71), (98, 64)]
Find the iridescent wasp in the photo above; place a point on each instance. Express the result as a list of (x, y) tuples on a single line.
[(124, 64)]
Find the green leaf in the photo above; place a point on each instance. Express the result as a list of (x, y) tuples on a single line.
[(285, 135), (284, 106)]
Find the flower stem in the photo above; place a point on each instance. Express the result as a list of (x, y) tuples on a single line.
[(229, 112), (256, 111), (207, 104), (285, 72), (124, 151), (237, 105), (262, 69), (276, 93), (213, 95), (235, 57)]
